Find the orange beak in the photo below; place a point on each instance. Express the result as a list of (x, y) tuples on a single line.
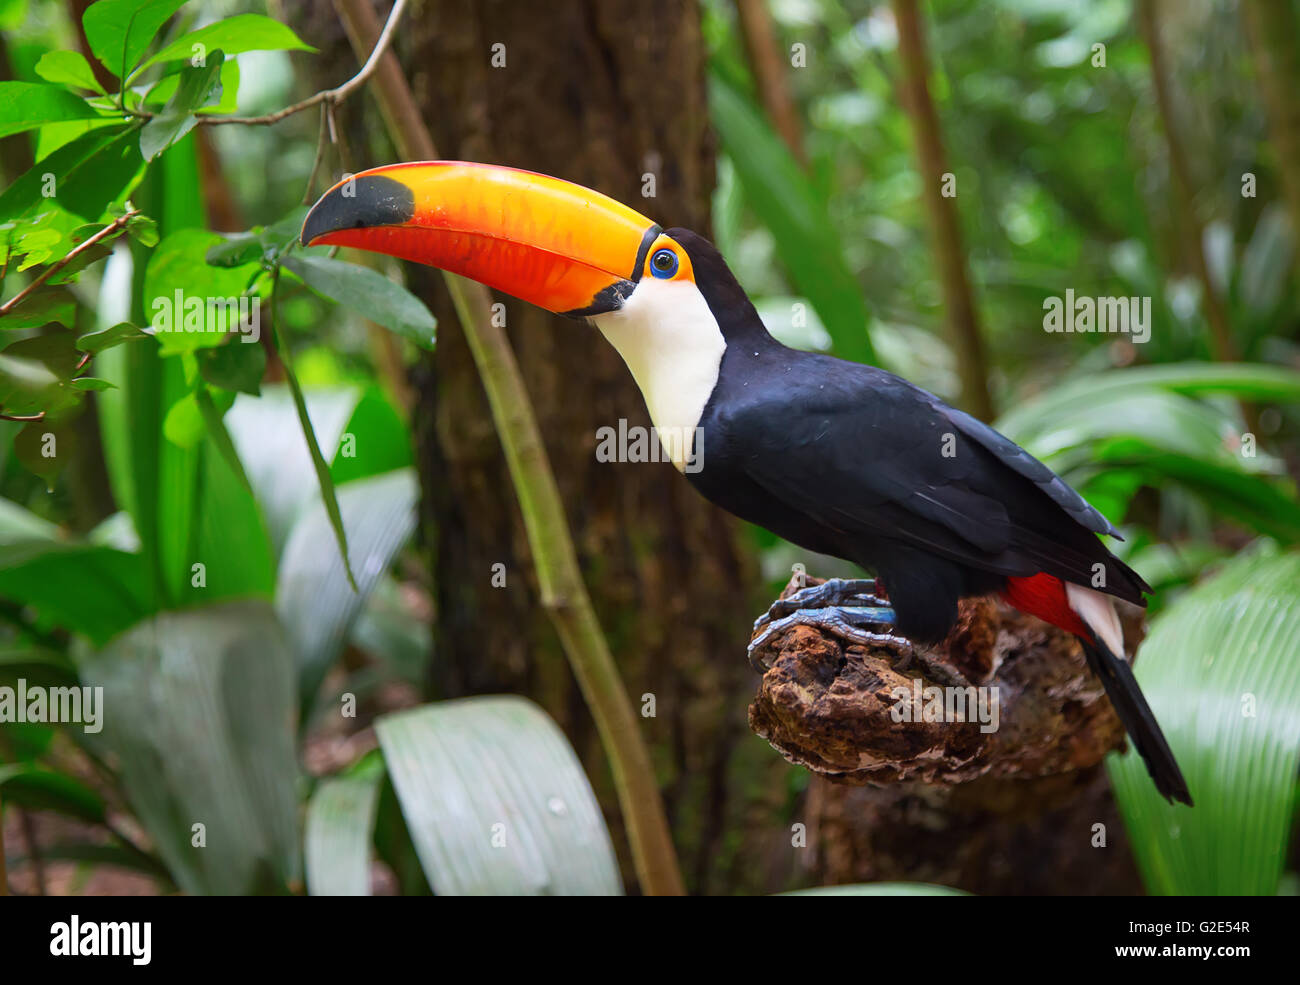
[(554, 244)]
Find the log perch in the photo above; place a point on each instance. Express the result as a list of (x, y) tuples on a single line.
[(830, 706)]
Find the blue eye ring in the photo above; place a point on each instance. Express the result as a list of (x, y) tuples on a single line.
[(663, 264)]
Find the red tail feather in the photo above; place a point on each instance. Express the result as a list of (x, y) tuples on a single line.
[(1044, 596)]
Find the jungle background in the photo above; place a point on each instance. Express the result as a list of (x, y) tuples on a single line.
[(899, 183)]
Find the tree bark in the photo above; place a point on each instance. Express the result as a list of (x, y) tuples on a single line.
[(604, 95)]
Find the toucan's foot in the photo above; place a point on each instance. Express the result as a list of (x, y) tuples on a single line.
[(848, 622), (832, 592)]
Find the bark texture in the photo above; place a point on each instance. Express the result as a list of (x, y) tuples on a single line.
[(1008, 810), (610, 95)]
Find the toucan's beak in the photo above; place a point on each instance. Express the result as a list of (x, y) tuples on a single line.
[(557, 245)]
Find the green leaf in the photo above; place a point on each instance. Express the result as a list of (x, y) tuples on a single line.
[(45, 790), (198, 87), (376, 440), (120, 31), (27, 105), (340, 826), (71, 164), (233, 35), (468, 770), (203, 729), (143, 229), (156, 482), (108, 175), (881, 889), (184, 426), (791, 207), (1219, 669), (180, 287), (39, 668), (68, 68), (237, 366), (88, 589), (227, 100), (235, 250), (95, 342), (369, 294), (40, 308), (1147, 423), (45, 449), (313, 598), (90, 383)]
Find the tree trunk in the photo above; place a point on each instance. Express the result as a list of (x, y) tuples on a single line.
[(612, 96)]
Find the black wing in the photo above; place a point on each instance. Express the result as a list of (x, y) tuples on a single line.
[(879, 462)]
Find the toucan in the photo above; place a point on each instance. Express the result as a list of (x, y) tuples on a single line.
[(837, 457)]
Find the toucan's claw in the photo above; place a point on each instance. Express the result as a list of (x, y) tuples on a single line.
[(832, 592), (845, 621)]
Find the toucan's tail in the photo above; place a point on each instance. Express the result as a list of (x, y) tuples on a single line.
[(1122, 689), (1090, 616)]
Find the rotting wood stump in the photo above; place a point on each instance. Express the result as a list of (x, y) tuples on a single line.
[(833, 707), (1014, 811)]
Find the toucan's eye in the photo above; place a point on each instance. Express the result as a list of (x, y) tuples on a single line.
[(663, 264)]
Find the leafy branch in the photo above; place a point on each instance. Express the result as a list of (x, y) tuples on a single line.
[(117, 225)]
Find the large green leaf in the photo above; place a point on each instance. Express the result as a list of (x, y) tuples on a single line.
[(369, 294), (27, 105), (45, 790), (496, 801), (313, 598), (796, 213), (881, 889), (1220, 670), (1251, 381), (120, 31), (76, 165), (233, 35), (88, 589), (197, 87), (202, 725), (1160, 426), (157, 482), (340, 828)]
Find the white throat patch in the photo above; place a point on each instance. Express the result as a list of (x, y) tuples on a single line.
[(671, 342)]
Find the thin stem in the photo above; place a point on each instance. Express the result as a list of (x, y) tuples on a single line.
[(962, 319), (118, 223), (330, 97), (563, 593)]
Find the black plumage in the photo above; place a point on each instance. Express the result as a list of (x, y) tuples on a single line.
[(851, 461)]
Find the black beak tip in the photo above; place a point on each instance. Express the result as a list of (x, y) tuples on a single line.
[(358, 203)]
